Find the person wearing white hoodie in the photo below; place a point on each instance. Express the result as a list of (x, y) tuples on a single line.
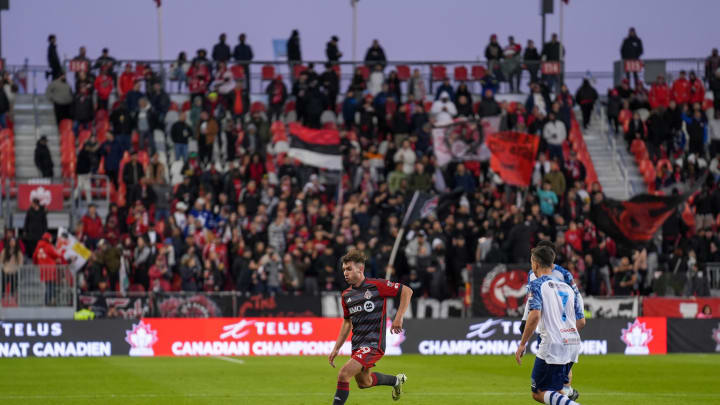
[(407, 157), (443, 110), (714, 131), (376, 80), (555, 134)]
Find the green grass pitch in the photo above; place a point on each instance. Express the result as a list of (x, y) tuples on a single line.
[(612, 379)]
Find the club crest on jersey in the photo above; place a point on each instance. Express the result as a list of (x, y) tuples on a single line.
[(368, 294), (369, 306)]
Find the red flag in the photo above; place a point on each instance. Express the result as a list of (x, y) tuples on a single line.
[(513, 156)]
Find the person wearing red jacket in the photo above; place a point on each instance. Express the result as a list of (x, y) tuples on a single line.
[(92, 227), (681, 89), (574, 236), (697, 89), (104, 86), (127, 81), (659, 93), (46, 257)]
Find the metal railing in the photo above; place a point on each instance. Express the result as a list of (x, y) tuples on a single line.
[(713, 273), (617, 160), (37, 286)]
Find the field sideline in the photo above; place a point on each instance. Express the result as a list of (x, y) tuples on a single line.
[(615, 379)]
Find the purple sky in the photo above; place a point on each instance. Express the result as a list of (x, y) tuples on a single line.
[(407, 29)]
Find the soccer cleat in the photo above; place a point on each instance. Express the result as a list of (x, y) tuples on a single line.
[(397, 388), (575, 395)]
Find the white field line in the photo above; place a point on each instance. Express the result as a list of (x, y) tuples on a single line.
[(231, 360)]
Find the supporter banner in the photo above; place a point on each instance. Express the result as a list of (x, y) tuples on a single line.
[(50, 195), (500, 336), (550, 68), (499, 289), (201, 305), (637, 219), (513, 156), (693, 336), (76, 65), (612, 307), (98, 338), (315, 147), (235, 337), (633, 65), (680, 307), (463, 140)]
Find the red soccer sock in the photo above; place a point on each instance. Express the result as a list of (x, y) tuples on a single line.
[(342, 393)]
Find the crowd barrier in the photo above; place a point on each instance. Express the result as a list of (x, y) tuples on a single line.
[(316, 336)]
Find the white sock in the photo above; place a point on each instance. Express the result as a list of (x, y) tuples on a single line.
[(567, 390), (556, 398)]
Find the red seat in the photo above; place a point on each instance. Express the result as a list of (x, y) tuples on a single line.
[(439, 72), (337, 70), (238, 72), (289, 106), (298, 69), (428, 105), (329, 125), (460, 73), (364, 71), (65, 125), (186, 105), (268, 72), (403, 72), (478, 72), (256, 107)]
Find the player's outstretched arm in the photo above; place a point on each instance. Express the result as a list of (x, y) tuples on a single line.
[(405, 296), (342, 337), (532, 323)]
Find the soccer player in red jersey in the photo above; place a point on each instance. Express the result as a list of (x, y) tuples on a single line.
[(364, 312)]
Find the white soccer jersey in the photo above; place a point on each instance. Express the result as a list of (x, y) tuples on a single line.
[(559, 273), (559, 309)]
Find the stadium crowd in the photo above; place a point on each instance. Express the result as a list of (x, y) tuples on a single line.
[(225, 209)]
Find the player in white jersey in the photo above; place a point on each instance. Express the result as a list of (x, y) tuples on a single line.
[(559, 273), (555, 312)]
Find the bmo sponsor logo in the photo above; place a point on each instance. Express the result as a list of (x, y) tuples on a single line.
[(243, 337), (47, 339), (495, 337)]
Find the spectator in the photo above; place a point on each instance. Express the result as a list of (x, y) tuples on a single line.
[(416, 86), (712, 64), (511, 64), (695, 131), (330, 83), (6, 102), (224, 84), (565, 102), (407, 157), (631, 49), (418, 249), (133, 171), (92, 227), (35, 225), (681, 89), (180, 133), (375, 55), (659, 93), (53, 60), (714, 132), (160, 102), (697, 90), (141, 263), (419, 180), (625, 277), (60, 94), (551, 52), (43, 159), (445, 87), (86, 167), (83, 109), (493, 54), (221, 50), (103, 86), (443, 110), (377, 79), (464, 107), (531, 60), (159, 274), (243, 54), (575, 169), (127, 80), (179, 69), (45, 256), (538, 99), (548, 199), (293, 51), (556, 179), (586, 97), (106, 63), (112, 151), (331, 50), (146, 120), (613, 109), (12, 261), (489, 107), (554, 133), (464, 179)]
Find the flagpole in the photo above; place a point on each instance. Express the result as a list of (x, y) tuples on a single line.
[(399, 237), (562, 56), (160, 44), (353, 3)]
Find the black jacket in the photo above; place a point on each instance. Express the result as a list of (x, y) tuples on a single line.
[(293, 48), (493, 51), (221, 52), (632, 48), (122, 121), (332, 52), (180, 132), (35, 224), (53, 59), (375, 56), (84, 162), (43, 159), (243, 52), (551, 51), (531, 55), (4, 103), (129, 176), (83, 108)]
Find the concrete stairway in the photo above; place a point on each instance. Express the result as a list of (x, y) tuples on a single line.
[(616, 169), (25, 135)]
